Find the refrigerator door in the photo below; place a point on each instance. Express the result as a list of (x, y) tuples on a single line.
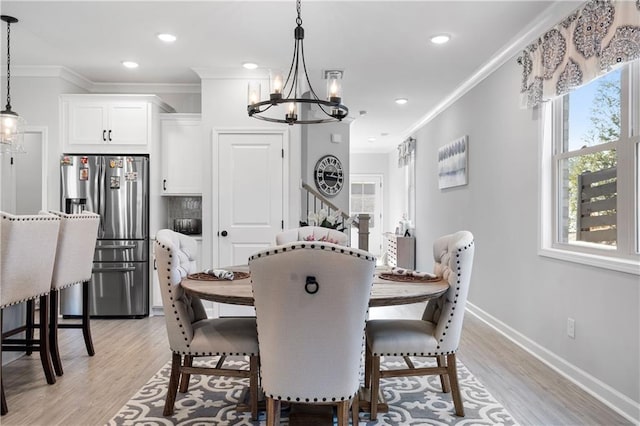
[(123, 201), (119, 290), (80, 183)]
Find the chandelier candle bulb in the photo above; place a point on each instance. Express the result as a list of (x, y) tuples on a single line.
[(334, 86), (276, 85), (253, 93)]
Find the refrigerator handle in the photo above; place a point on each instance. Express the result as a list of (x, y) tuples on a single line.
[(101, 192)]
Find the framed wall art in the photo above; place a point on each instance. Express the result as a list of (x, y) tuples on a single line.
[(453, 163)]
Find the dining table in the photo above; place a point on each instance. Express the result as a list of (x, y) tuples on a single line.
[(388, 289)]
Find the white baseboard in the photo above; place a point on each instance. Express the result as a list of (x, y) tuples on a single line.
[(618, 402)]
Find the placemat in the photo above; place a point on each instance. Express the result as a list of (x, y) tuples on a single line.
[(407, 278), (201, 276)]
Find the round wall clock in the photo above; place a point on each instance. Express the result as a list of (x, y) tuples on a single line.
[(328, 175)]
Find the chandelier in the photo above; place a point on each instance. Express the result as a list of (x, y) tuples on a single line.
[(10, 122), (286, 93)]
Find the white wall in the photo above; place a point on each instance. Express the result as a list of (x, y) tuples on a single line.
[(531, 295)]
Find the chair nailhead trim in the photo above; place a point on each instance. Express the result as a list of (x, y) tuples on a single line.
[(314, 247)]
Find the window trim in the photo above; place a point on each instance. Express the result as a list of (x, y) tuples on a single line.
[(626, 258)]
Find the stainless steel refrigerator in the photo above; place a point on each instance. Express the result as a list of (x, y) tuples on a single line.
[(117, 188)]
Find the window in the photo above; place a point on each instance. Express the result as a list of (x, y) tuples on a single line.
[(592, 147)]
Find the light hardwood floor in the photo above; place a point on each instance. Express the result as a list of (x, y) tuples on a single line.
[(129, 352)]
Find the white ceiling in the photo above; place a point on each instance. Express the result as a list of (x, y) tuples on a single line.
[(382, 46)]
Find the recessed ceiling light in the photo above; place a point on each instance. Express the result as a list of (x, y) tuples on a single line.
[(130, 64), (250, 65), (402, 101), (371, 139), (167, 38), (440, 39)]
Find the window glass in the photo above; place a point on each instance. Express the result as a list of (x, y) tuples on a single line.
[(587, 164), (593, 113)]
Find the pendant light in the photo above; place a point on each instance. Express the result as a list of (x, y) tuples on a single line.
[(285, 92), (11, 123)]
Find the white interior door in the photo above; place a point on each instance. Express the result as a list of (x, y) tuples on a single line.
[(366, 197), (250, 185)]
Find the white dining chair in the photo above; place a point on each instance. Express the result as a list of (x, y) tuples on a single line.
[(27, 254), (437, 334), (312, 233), (73, 265), (191, 334), (311, 301)]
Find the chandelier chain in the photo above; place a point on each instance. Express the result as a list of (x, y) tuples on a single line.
[(8, 65), (298, 9)]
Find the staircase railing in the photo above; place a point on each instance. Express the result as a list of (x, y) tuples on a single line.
[(313, 202)]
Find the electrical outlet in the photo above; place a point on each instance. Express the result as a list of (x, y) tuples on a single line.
[(571, 328)]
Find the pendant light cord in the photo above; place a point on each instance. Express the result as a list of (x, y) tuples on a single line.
[(8, 107)]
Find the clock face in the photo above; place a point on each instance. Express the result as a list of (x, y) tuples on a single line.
[(328, 175)]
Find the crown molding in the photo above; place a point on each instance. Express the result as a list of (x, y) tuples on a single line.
[(56, 71), (539, 25), (150, 88), (51, 71)]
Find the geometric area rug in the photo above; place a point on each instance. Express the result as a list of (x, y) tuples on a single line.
[(211, 400)]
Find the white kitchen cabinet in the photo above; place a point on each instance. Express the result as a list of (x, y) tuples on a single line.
[(109, 123), (181, 144)]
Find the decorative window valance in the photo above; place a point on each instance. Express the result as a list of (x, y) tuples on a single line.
[(587, 44), (405, 149)]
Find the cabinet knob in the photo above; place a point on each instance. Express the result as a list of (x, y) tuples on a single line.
[(224, 233)]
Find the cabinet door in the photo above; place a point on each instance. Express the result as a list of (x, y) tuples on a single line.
[(181, 157), (87, 123), (129, 123)]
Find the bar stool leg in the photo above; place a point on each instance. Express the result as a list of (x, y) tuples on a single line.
[(29, 326), (3, 408), (53, 333), (86, 328), (45, 354)]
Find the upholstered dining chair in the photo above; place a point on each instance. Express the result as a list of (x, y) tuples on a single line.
[(311, 301), (191, 334), (312, 233), (73, 265), (437, 334), (27, 254)]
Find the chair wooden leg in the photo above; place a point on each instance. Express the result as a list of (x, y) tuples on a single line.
[(53, 332), (86, 315), (343, 413), (444, 380), (3, 409), (29, 324), (453, 380), (174, 378), (273, 411), (45, 354), (367, 366), (375, 385), (185, 377), (253, 385), (355, 409)]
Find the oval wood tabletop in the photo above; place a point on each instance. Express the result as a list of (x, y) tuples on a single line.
[(383, 293)]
